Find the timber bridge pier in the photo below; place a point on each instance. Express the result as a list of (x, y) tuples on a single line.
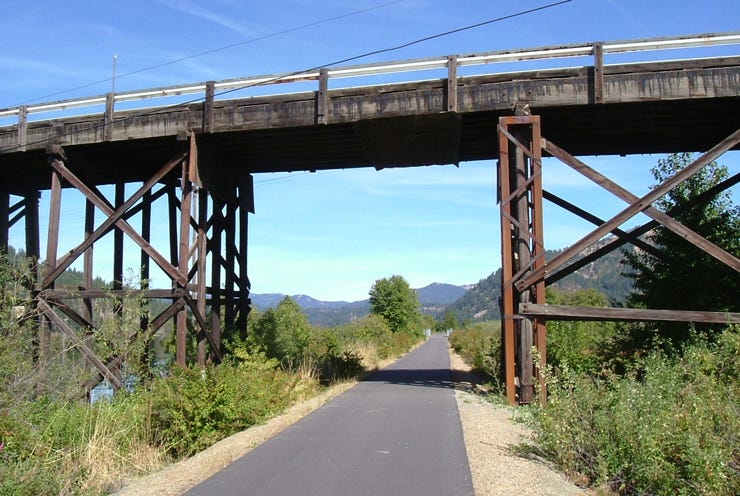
[(191, 150)]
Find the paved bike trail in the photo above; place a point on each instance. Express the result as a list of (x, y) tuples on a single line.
[(396, 433)]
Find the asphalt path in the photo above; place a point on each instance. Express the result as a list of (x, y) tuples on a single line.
[(396, 433)]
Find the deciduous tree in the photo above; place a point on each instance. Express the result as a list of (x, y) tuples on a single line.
[(394, 300), (685, 277)]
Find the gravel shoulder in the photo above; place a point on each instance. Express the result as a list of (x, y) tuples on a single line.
[(490, 438), (489, 430)]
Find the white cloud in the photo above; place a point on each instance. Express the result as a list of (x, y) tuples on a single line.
[(190, 8)]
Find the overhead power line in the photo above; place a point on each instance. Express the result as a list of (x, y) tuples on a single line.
[(330, 64), (218, 49)]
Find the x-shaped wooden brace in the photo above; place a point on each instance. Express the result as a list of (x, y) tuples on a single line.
[(636, 206)]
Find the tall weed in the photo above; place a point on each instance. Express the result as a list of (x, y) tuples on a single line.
[(670, 425)]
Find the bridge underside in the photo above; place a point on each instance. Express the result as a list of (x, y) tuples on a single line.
[(446, 138)]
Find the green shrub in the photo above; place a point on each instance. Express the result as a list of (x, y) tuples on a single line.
[(194, 408), (480, 346), (669, 426)]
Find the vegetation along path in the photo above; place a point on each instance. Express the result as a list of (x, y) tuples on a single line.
[(397, 432)]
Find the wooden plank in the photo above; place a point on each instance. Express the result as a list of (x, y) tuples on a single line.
[(559, 312), (636, 207)]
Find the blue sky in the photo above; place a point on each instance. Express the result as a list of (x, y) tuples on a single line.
[(332, 234)]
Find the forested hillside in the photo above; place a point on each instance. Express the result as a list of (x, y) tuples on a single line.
[(605, 275)]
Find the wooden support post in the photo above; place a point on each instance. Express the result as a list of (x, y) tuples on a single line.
[(183, 258), (22, 128), (216, 266), (145, 265), (208, 116), (88, 260), (120, 193), (52, 243), (598, 75), (4, 220), (246, 205), (31, 210), (201, 274), (452, 83), (322, 97), (230, 282), (108, 116)]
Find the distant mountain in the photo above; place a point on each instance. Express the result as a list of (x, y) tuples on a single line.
[(438, 293), (434, 298), (481, 302)]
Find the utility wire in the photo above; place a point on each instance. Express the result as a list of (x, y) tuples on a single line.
[(219, 49), (313, 69)]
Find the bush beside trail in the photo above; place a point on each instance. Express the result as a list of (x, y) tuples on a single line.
[(52, 443)]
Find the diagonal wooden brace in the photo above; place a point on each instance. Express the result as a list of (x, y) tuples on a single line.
[(114, 218), (84, 349), (636, 207)]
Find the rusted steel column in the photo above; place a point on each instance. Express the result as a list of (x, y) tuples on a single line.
[(521, 239), (507, 268), (520, 183)]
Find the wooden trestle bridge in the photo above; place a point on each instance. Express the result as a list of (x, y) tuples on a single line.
[(197, 159)]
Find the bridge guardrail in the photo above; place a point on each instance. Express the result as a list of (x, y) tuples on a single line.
[(209, 89)]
